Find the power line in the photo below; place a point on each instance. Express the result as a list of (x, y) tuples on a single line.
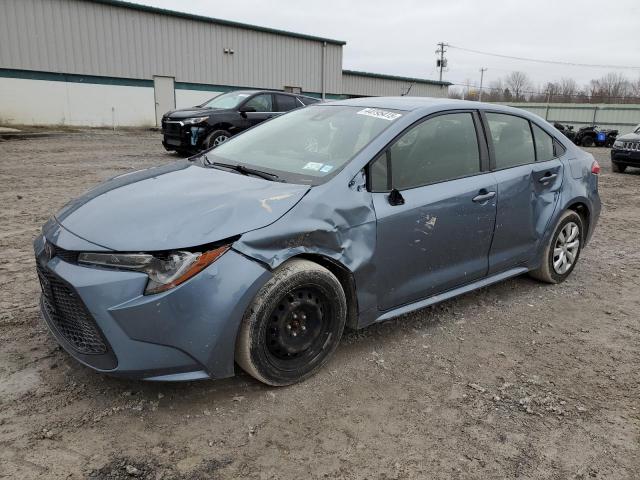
[(552, 62)]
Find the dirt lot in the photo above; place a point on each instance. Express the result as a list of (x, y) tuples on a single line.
[(519, 380)]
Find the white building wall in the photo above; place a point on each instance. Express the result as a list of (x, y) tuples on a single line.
[(43, 102)]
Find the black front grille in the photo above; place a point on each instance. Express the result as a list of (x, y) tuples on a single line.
[(69, 316), (171, 128)]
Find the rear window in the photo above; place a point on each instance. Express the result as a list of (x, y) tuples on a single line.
[(286, 103), (308, 100), (544, 144)]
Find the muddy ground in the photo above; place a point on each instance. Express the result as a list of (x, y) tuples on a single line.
[(518, 380)]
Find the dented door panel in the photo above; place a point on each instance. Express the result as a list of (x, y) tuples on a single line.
[(437, 240)]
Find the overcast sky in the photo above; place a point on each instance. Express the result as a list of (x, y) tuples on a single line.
[(399, 37)]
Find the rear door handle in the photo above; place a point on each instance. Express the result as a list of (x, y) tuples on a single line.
[(483, 197), (547, 177)]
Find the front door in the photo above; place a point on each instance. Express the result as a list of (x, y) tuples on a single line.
[(165, 96), (529, 177), (435, 206), (258, 109)]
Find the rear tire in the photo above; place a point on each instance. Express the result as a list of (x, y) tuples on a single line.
[(293, 325), (617, 168), (215, 138), (565, 243)]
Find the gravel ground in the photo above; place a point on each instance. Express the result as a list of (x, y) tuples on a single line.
[(518, 380)]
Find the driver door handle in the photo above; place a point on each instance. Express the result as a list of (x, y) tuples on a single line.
[(484, 196)]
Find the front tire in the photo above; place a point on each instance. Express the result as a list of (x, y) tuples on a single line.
[(563, 249), (293, 325), (617, 168), (216, 138)]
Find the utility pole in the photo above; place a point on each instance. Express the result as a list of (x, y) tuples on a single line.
[(441, 62), (482, 70)]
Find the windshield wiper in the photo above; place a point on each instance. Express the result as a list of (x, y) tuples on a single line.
[(242, 169)]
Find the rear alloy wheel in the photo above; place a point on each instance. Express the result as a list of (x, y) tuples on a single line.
[(216, 138), (563, 249), (617, 168), (587, 141), (293, 325)]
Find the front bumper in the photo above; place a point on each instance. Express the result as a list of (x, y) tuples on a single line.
[(186, 333), (177, 136), (626, 157)]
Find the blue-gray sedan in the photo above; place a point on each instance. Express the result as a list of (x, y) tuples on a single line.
[(259, 252)]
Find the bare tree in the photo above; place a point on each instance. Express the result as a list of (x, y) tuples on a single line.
[(612, 87), (568, 89), (518, 83)]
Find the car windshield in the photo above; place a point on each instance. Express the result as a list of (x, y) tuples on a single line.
[(306, 144), (226, 100)]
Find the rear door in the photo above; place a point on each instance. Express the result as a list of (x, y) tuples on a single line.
[(529, 177), (435, 206)]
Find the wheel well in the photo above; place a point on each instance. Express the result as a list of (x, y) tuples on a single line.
[(582, 210), (221, 126), (345, 277)]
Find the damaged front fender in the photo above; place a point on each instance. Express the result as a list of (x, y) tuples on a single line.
[(335, 220)]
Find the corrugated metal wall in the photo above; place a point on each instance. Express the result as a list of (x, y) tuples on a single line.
[(621, 117), (80, 37), (362, 85)]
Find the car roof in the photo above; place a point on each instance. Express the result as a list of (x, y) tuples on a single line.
[(252, 92), (420, 103)]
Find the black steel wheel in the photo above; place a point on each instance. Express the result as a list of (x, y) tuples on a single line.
[(293, 325)]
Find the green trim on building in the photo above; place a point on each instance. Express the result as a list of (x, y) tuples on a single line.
[(217, 21), (73, 78), (135, 82), (395, 77)]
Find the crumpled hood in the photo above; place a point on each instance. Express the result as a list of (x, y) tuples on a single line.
[(178, 205)]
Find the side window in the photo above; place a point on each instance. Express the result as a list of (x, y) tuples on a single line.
[(544, 144), (308, 100), (512, 141), (379, 175), (261, 103), (558, 149), (440, 148), (286, 103)]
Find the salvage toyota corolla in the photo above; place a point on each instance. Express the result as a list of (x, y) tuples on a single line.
[(260, 251)]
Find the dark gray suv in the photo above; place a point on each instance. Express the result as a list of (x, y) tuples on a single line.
[(260, 251)]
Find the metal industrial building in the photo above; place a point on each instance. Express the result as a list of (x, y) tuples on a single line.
[(113, 63)]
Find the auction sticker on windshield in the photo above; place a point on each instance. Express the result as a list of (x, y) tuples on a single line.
[(313, 166), (378, 113)]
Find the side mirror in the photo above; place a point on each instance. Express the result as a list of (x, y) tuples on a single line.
[(244, 110)]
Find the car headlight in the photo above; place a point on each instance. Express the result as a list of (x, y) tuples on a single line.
[(193, 121), (165, 271), (618, 143)]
